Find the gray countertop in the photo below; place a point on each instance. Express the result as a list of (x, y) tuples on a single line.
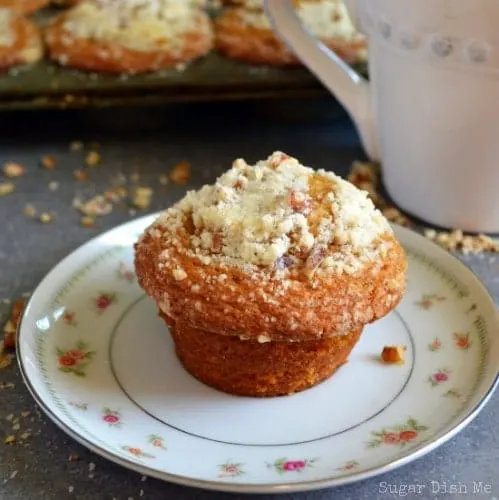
[(149, 142)]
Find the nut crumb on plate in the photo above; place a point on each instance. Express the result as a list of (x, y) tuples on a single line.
[(393, 354)]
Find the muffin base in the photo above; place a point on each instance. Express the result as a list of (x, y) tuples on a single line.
[(250, 368)]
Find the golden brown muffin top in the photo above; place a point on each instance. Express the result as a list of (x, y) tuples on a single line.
[(135, 24), (6, 31), (276, 215)]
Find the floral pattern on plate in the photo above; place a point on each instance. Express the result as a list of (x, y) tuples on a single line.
[(75, 360), (349, 466), (157, 441), (428, 300), (399, 435), (283, 465), (69, 318), (137, 452), (435, 345), (439, 377), (462, 340), (230, 469), (68, 363), (111, 417), (105, 300)]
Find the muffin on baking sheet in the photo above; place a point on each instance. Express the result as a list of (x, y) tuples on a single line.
[(270, 275), (129, 36), (20, 40), (68, 3), (23, 6), (245, 33)]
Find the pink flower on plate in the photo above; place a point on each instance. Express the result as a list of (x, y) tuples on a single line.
[(75, 360), (294, 465), (104, 300), (69, 318), (231, 469), (439, 377), (428, 300), (283, 465), (347, 466), (157, 441), (76, 354), (391, 438), (111, 417), (435, 345)]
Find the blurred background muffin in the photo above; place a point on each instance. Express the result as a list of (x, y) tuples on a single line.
[(244, 32), (129, 36), (20, 40)]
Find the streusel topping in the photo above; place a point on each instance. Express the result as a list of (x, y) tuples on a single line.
[(276, 214), (135, 24)]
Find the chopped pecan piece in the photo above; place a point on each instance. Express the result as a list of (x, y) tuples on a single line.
[(217, 242), (315, 258), (393, 354), (283, 262)]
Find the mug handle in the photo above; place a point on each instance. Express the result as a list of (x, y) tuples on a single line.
[(350, 88)]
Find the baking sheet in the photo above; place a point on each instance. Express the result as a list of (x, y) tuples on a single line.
[(213, 77)]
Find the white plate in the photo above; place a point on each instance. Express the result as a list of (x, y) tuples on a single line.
[(101, 364)]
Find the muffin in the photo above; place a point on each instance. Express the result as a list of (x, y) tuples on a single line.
[(245, 33), (129, 36), (20, 40), (270, 275), (23, 6)]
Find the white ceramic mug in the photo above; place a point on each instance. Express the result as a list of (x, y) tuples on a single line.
[(430, 111)]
